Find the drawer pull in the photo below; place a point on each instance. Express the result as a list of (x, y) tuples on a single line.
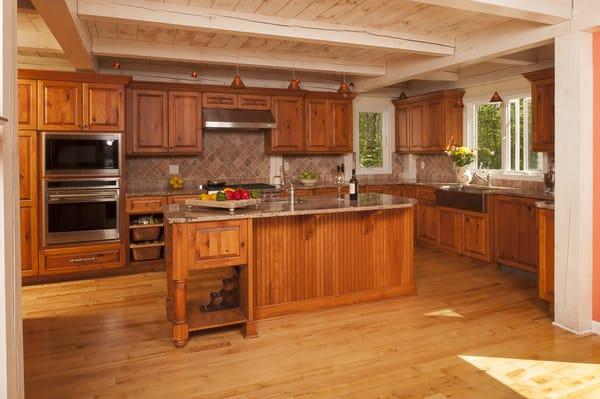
[(80, 260)]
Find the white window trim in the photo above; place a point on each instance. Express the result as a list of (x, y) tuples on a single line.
[(469, 128), (380, 105)]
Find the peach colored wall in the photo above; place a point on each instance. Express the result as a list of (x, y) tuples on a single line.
[(596, 209)]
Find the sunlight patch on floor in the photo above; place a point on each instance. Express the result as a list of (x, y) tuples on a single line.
[(444, 313), (538, 379)]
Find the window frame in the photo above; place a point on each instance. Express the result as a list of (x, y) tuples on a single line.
[(386, 108), (471, 136)]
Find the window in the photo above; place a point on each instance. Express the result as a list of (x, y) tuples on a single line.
[(501, 132), (373, 121)]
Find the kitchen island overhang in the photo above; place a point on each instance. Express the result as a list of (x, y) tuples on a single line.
[(318, 253)]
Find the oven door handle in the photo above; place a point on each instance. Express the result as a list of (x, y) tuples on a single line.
[(83, 196)]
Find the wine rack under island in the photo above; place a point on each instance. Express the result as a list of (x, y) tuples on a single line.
[(317, 253)]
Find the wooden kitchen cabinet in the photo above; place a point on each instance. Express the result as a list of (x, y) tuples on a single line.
[(427, 221), (316, 115), (254, 101), (185, 122), (514, 230), (475, 236), (289, 135), (218, 244), (428, 123), (103, 107), (60, 105), (180, 198), (27, 104), (28, 202), (328, 125), (144, 205), (545, 219), (81, 258), (450, 229), (542, 103), (220, 100), (77, 106), (340, 128)]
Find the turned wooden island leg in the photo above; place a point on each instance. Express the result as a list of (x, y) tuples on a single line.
[(180, 326)]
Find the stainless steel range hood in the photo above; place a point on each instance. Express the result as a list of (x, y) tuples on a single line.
[(243, 119)]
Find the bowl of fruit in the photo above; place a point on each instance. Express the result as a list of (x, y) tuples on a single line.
[(308, 178), (176, 182)]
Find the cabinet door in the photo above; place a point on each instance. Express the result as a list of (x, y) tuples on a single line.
[(317, 139), (28, 168), (29, 251), (60, 105), (527, 254), (251, 101), (427, 222), (218, 244), (103, 107), (542, 98), (149, 128), (417, 128), (402, 128), (450, 224), (289, 134), (27, 111), (433, 123), (220, 100), (476, 236), (546, 254), (341, 125), (185, 122)]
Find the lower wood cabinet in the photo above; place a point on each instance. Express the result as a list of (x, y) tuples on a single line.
[(545, 218), (218, 244), (464, 232), (28, 202), (515, 232), (180, 199), (29, 247), (427, 221), (81, 258), (142, 205), (450, 233)]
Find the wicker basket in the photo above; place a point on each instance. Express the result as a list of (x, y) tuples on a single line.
[(146, 233), (146, 253)]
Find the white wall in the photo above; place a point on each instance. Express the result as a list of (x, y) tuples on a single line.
[(11, 337)]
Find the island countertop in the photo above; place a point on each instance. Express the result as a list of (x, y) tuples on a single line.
[(181, 213)]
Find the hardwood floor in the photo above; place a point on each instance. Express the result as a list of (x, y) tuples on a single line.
[(471, 332)]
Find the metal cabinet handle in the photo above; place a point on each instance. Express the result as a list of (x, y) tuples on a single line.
[(80, 260)]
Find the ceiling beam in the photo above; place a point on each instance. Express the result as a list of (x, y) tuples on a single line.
[(185, 17), (542, 11), (498, 41), (440, 76), (69, 31), (527, 57), (38, 41), (259, 59)]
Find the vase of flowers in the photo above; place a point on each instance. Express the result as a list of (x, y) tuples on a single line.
[(462, 157)]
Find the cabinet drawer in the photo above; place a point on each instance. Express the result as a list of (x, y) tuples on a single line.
[(179, 199), (249, 101), (217, 244), (219, 100), (145, 204), (74, 259), (425, 193)]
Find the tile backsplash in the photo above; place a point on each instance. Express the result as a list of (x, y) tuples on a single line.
[(435, 168), (231, 156), (324, 165)]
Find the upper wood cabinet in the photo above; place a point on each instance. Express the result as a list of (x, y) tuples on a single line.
[(328, 125), (289, 135), (27, 111), (185, 122), (542, 103), (75, 106), (515, 232), (149, 122), (252, 101), (429, 122), (165, 122), (103, 107), (236, 101)]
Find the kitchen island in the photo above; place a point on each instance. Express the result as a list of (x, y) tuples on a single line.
[(317, 253)]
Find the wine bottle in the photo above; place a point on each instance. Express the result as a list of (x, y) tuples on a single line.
[(353, 186)]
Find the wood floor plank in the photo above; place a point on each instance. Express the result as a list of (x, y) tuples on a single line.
[(473, 331)]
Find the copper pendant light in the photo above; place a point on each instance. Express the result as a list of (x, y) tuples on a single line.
[(294, 83), (344, 87), (403, 96), (237, 82), (194, 74), (459, 101), (496, 98)]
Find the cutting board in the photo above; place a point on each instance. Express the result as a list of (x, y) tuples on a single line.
[(230, 205)]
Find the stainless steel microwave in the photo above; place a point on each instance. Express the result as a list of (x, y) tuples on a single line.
[(81, 154)]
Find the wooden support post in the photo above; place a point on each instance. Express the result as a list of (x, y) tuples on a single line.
[(180, 326)]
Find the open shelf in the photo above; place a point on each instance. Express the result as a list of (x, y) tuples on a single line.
[(198, 320), (145, 226), (149, 245)]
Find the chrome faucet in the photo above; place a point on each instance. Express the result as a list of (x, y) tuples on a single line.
[(487, 177), (291, 193)]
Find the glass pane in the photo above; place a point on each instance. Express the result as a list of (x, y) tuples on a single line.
[(535, 158), (370, 139), (489, 136)]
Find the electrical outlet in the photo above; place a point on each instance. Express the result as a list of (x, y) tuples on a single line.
[(422, 165), (173, 169)]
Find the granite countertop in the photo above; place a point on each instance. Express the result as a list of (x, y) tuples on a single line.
[(181, 213), (545, 205)]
